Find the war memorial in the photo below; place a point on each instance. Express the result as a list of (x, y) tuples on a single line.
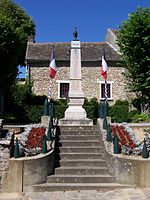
[(73, 154)]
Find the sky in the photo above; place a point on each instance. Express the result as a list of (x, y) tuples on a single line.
[(55, 19)]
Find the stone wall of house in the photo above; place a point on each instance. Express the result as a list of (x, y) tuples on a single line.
[(4, 161), (90, 78)]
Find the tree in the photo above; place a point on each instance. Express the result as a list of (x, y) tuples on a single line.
[(134, 42), (15, 27)]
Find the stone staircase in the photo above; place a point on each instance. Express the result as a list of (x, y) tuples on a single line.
[(79, 162)]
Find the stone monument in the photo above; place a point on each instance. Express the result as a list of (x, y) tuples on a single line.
[(75, 114)]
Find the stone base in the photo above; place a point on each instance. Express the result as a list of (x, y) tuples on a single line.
[(75, 122), (75, 112)]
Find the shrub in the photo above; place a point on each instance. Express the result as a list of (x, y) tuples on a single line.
[(34, 113), (91, 107), (59, 111), (131, 115), (60, 106), (21, 94), (119, 112)]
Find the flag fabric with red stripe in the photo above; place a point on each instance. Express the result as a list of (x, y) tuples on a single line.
[(104, 66), (52, 67)]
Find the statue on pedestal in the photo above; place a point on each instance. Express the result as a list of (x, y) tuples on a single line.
[(75, 34)]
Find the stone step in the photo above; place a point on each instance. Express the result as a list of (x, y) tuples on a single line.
[(74, 156), (81, 149), (81, 170), (79, 137), (88, 143), (73, 178), (81, 162), (75, 186), (80, 128), (78, 132)]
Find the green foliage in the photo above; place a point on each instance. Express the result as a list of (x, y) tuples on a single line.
[(60, 107), (15, 27), (37, 100), (119, 112), (34, 113), (21, 94), (91, 107), (137, 103), (141, 117), (134, 40), (131, 115), (26, 106), (121, 102)]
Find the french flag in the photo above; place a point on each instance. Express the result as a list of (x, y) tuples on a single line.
[(104, 66), (52, 67)]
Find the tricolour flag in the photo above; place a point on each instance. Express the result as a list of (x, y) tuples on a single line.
[(52, 67), (104, 66)]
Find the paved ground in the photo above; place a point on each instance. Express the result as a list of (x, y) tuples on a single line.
[(121, 194)]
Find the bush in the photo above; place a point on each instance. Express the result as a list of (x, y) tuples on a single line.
[(91, 107), (59, 111), (60, 106), (37, 100), (131, 115), (21, 94), (119, 112), (34, 113)]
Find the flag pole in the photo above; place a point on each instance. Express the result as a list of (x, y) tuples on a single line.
[(104, 74), (52, 71), (50, 88), (106, 90)]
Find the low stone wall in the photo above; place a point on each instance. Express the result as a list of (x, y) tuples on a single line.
[(4, 161), (26, 171), (129, 170), (23, 172), (16, 128), (133, 170), (4, 150)]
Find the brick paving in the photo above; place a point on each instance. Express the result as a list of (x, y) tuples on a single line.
[(120, 194)]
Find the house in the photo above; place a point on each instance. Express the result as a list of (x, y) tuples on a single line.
[(38, 59)]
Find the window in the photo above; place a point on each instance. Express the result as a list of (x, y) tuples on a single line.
[(63, 89), (109, 90)]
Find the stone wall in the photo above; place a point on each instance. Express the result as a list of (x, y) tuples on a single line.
[(26, 171), (90, 77), (132, 170), (4, 161)]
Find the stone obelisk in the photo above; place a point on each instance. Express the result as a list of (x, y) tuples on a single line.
[(75, 114)]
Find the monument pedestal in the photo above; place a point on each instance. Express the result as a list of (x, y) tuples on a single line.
[(75, 114), (75, 122)]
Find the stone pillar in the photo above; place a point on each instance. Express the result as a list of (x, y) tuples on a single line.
[(76, 95), (75, 114)]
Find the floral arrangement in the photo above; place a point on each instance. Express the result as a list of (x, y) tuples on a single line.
[(35, 136), (31, 139), (128, 141)]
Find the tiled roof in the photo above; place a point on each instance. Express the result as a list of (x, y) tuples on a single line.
[(90, 51)]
